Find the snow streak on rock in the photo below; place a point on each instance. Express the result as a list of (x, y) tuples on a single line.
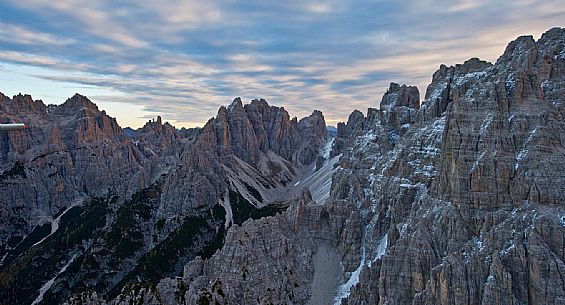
[(49, 283)]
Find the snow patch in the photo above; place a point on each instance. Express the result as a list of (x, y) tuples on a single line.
[(469, 76), (511, 117), (345, 290), (418, 185), (225, 203), (486, 123), (55, 223), (507, 250), (49, 283), (327, 149), (479, 244), (401, 227), (365, 140), (381, 249), (524, 150), (477, 161)]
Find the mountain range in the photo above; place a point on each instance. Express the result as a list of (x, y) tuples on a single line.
[(456, 198)]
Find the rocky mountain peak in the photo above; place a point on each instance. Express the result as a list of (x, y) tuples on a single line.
[(313, 132), (554, 36), (355, 122), (236, 105), (317, 113), (469, 66), (82, 122), (355, 119), (156, 123), (314, 123), (439, 91), (21, 104), (406, 96), (473, 65), (259, 103), (525, 59), (23, 98), (75, 104), (222, 113), (314, 120), (247, 131), (158, 138), (520, 53)]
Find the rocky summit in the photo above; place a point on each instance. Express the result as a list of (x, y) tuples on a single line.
[(454, 199)]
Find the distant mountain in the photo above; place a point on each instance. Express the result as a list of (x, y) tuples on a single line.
[(457, 198), (332, 131), (130, 132)]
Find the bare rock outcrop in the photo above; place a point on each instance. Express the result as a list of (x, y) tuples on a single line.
[(247, 131)]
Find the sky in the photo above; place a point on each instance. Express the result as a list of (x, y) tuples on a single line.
[(183, 59)]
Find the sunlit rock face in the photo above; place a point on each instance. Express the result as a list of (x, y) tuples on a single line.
[(70, 152), (456, 199)]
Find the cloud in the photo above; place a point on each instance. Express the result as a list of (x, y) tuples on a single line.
[(183, 59), (32, 60), (319, 8), (247, 63), (187, 14), (464, 5), (91, 16), (10, 33)]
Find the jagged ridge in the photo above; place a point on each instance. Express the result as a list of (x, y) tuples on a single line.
[(169, 191), (454, 200)]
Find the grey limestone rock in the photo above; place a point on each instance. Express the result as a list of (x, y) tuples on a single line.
[(456, 199)]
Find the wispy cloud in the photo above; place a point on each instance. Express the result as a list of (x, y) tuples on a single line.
[(320, 7), (26, 59), (10, 33), (184, 58), (463, 5)]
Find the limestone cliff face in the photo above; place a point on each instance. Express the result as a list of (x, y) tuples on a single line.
[(464, 198), (141, 203), (458, 200), (247, 131), (454, 200), (255, 150), (70, 152)]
